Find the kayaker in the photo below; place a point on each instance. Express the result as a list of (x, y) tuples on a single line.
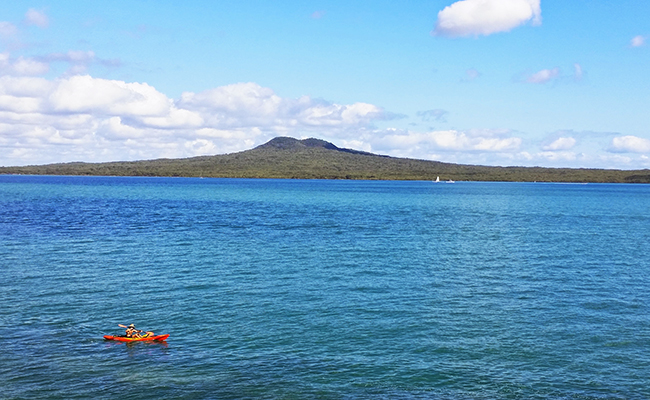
[(131, 331)]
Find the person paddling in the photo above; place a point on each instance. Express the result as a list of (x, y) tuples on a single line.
[(132, 332)]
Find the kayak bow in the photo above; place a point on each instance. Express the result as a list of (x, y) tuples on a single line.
[(157, 338)]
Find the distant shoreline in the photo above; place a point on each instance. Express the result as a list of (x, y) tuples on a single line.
[(324, 179)]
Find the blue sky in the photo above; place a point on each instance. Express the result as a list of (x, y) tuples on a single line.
[(492, 82)]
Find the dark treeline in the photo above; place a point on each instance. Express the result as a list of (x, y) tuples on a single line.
[(316, 159)]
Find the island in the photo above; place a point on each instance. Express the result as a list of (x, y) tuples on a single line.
[(289, 158)]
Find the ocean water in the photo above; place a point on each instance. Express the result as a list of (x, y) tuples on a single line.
[(286, 289)]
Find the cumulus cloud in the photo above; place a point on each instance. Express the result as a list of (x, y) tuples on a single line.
[(83, 118), (543, 76), (22, 66), (637, 41), (85, 94), (91, 119), (485, 17), (482, 141), (451, 140), (562, 143), (27, 66), (100, 120), (249, 104), (36, 17), (629, 144), (139, 104)]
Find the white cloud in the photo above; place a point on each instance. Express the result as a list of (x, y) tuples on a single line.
[(85, 94), (82, 118), (489, 147), (557, 156), (630, 144), (72, 56), (78, 60), (563, 143), (236, 98), (139, 104), (543, 76), (249, 104), (637, 41), (4, 60), (7, 29), (22, 66), (553, 75), (357, 144), (94, 119), (485, 17), (618, 160), (36, 17), (28, 66), (113, 128), (578, 72), (25, 86), (450, 140)]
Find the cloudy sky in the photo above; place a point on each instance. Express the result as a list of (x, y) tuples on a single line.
[(495, 82)]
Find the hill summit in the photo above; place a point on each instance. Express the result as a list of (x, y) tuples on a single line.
[(289, 143)]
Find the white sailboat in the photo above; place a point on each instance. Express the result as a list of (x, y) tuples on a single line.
[(437, 179)]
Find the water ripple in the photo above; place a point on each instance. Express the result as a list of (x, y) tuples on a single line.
[(323, 290)]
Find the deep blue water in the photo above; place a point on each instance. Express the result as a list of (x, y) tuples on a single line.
[(323, 289)]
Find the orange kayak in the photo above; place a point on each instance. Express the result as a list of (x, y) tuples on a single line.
[(157, 338)]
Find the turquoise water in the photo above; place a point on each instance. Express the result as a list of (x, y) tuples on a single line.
[(323, 289)]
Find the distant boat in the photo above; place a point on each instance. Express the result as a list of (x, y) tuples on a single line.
[(450, 181), (437, 179)]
